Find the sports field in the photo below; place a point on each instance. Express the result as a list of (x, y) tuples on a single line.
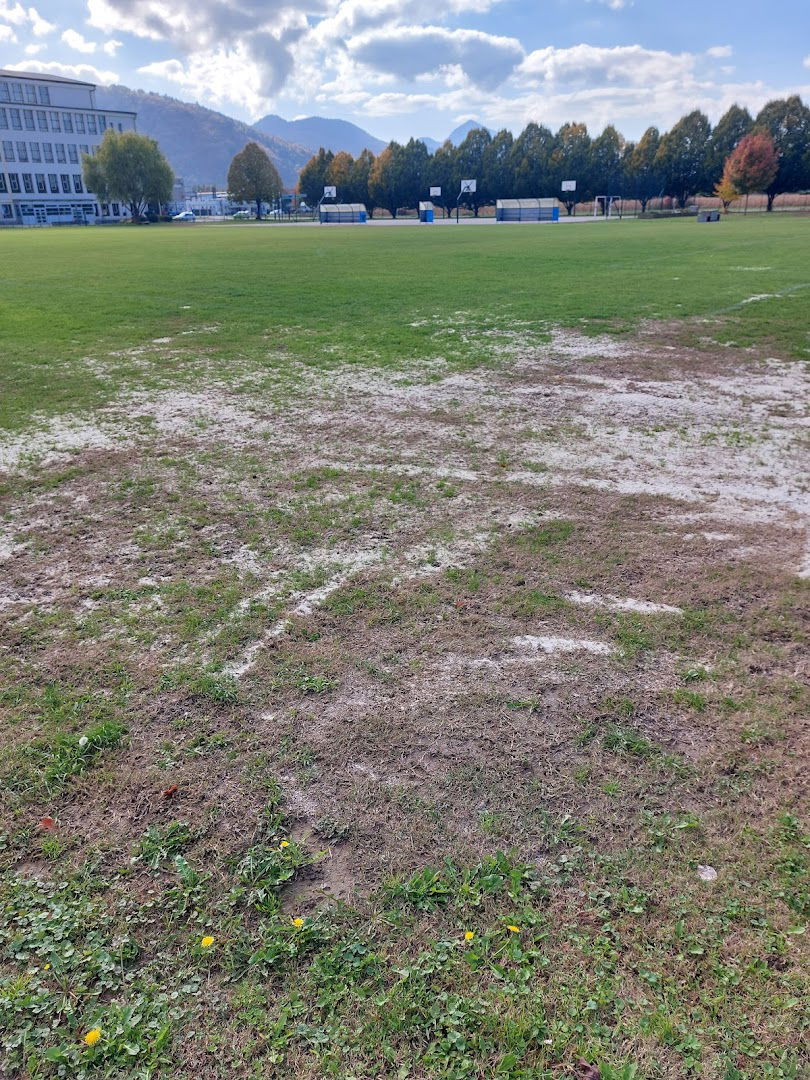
[(404, 653)]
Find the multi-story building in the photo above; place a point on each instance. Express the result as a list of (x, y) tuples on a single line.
[(46, 124)]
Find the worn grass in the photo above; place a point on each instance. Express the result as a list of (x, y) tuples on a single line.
[(398, 842), (378, 296)]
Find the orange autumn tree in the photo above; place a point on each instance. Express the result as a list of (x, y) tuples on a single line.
[(752, 164)]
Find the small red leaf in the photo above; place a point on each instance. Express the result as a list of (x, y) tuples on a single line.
[(170, 792), (47, 824)]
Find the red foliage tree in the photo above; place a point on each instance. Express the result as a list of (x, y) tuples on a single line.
[(752, 164)]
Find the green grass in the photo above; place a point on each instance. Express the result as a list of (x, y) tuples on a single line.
[(378, 296)]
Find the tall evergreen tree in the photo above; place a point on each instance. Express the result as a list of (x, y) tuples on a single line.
[(571, 160), (732, 125), (312, 178), (532, 163), (643, 180)]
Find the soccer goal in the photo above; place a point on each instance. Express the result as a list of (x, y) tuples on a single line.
[(607, 206)]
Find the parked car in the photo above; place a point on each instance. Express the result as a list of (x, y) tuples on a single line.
[(185, 215), (242, 215)]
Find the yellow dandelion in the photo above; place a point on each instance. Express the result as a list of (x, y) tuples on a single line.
[(513, 929), (470, 934), (298, 923), (206, 942), (47, 967), (284, 843), (92, 1037)]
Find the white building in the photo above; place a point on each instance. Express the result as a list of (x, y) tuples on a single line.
[(46, 124)]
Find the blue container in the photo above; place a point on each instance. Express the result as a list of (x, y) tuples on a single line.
[(361, 217), (555, 214)]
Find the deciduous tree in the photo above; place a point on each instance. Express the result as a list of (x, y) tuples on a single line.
[(787, 121), (253, 177), (129, 168), (339, 174), (683, 157), (313, 176), (752, 165)]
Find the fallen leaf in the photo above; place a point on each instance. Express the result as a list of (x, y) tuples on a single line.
[(47, 824), (170, 792)]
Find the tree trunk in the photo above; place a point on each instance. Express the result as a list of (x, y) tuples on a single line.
[(258, 209), (770, 201)]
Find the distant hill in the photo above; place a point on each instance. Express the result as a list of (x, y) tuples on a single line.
[(459, 134), (432, 144), (199, 143), (314, 132)]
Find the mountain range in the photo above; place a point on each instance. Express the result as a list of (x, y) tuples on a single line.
[(199, 143)]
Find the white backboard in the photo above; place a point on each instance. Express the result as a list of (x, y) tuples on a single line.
[(468, 187), (330, 192), (569, 185), (435, 193)]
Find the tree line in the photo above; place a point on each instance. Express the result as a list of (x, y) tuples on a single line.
[(686, 161)]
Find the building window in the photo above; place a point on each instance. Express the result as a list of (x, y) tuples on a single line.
[(116, 209), (16, 119), (22, 152), (30, 94), (79, 118), (7, 211), (42, 120), (35, 154), (73, 153), (28, 117), (60, 152), (5, 94), (3, 185), (65, 183), (14, 181), (85, 149), (16, 92), (3, 118), (77, 183), (91, 124), (28, 183), (120, 128), (102, 123), (44, 95), (53, 183), (67, 122), (47, 149), (41, 188), (55, 124), (8, 150)]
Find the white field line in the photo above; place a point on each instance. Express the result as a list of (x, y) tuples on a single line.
[(553, 644), (617, 603)]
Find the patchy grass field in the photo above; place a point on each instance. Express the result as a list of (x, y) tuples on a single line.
[(404, 656)]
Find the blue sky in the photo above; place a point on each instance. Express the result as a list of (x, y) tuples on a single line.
[(418, 67)]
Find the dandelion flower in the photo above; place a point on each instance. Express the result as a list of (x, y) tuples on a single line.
[(513, 929), (298, 923), (284, 843), (470, 934), (92, 1037), (47, 967), (206, 942)]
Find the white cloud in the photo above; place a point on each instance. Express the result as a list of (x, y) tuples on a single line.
[(33, 50), (719, 52), (84, 72), (807, 61), (217, 76), (39, 26), (593, 65), (7, 34), (74, 40), (20, 16), (485, 59), (111, 47), (614, 5)]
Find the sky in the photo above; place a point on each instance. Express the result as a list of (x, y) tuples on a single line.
[(419, 67)]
